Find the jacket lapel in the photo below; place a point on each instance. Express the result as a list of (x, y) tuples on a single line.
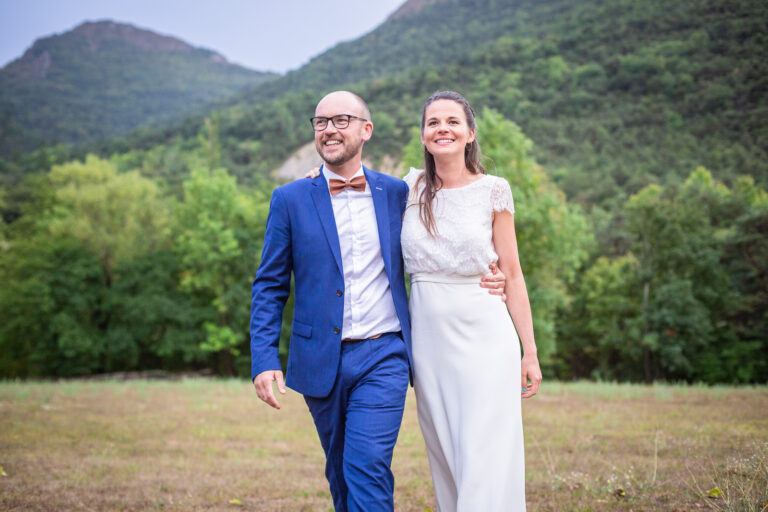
[(379, 194), (322, 199)]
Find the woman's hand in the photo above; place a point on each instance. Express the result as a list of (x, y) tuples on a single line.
[(495, 281), (314, 173), (531, 375)]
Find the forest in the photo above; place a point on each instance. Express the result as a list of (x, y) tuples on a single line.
[(104, 79), (633, 135)]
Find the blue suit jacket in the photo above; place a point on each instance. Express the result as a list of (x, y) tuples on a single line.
[(301, 237)]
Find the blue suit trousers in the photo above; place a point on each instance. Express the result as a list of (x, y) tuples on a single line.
[(359, 421)]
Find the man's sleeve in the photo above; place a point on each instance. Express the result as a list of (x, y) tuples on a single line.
[(403, 196), (271, 288)]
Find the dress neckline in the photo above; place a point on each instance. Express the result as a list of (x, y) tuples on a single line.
[(467, 185)]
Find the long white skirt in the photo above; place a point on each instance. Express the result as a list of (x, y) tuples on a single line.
[(467, 380)]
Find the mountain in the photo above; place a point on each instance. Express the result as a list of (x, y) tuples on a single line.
[(615, 95), (420, 34), (104, 79)]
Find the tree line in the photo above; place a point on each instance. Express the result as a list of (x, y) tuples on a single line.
[(115, 264)]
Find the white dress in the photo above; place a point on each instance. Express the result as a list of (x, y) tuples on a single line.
[(466, 351)]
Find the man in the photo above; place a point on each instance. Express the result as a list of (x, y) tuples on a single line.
[(350, 347)]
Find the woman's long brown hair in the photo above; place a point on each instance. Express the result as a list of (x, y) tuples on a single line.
[(432, 182)]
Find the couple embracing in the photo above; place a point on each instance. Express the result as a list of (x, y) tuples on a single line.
[(347, 234)]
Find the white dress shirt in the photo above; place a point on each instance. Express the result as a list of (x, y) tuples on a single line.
[(368, 306)]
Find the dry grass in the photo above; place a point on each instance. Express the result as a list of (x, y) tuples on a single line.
[(197, 444)]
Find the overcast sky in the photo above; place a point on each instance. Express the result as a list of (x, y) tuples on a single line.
[(267, 35)]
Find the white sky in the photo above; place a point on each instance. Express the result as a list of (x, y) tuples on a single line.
[(267, 35)]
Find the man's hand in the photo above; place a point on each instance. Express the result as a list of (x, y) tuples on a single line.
[(495, 281), (263, 384), (314, 173)]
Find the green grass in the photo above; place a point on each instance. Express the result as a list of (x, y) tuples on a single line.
[(197, 444)]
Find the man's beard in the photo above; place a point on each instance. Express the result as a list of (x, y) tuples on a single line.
[(349, 152)]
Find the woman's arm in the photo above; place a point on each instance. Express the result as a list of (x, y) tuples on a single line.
[(505, 243)]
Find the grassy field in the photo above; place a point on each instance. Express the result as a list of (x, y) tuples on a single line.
[(211, 445)]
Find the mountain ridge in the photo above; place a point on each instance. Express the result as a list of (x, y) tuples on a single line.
[(105, 78), (615, 95), (410, 7)]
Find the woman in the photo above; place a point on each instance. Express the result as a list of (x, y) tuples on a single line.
[(468, 370)]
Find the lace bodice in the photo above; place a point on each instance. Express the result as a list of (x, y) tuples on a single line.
[(463, 245)]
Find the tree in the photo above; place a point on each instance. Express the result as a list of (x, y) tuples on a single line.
[(553, 236), (63, 260), (686, 300), (2, 220), (218, 231), (117, 217), (51, 293)]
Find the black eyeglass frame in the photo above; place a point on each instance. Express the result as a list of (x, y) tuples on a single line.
[(332, 120)]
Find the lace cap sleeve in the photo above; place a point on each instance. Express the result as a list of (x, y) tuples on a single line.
[(412, 175), (501, 196)]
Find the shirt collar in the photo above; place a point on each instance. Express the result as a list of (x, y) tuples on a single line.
[(329, 174)]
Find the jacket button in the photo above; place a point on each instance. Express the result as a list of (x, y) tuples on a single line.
[(339, 293), (336, 330)]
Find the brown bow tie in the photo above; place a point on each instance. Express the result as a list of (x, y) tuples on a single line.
[(356, 183)]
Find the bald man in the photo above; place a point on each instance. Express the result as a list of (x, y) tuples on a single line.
[(350, 347), (350, 356)]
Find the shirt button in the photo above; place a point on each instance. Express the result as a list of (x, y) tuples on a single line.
[(339, 293), (336, 330)]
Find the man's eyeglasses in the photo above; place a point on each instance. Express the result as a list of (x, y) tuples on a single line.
[(341, 121)]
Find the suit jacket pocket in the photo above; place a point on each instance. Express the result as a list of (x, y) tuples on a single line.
[(300, 329)]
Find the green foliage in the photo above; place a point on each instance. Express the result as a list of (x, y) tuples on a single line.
[(67, 254), (105, 79), (218, 233), (413, 154), (2, 207), (553, 237), (117, 217), (616, 96), (47, 306), (104, 273), (676, 305), (622, 100)]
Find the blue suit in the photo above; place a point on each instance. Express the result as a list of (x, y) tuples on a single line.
[(354, 390)]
